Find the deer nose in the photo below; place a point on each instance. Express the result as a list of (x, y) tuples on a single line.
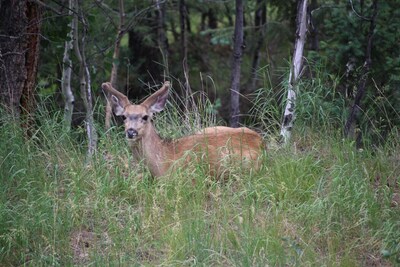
[(131, 133)]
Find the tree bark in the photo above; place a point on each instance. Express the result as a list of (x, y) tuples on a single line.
[(295, 70), (13, 47), (355, 109), (28, 102), (184, 29), (162, 38), (68, 94), (260, 20), (183, 26), (85, 83), (314, 41), (19, 53), (236, 62), (212, 19), (115, 62)]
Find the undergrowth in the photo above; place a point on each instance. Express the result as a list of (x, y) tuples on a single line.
[(319, 202)]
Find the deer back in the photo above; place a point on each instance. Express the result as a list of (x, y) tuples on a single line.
[(218, 148)]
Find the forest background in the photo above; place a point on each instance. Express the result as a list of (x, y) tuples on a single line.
[(351, 62)]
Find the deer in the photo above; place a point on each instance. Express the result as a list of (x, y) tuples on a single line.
[(213, 145)]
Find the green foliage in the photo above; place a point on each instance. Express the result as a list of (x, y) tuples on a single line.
[(320, 104), (321, 202), (265, 112), (342, 35), (344, 31)]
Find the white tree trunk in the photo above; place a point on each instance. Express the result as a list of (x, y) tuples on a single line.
[(297, 64), (66, 74)]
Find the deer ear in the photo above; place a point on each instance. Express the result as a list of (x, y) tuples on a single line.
[(156, 102), (117, 105), (118, 100)]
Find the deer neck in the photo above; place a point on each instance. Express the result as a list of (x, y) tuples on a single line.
[(153, 151)]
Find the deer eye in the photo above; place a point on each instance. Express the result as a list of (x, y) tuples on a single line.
[(123, 117), (145, 117)]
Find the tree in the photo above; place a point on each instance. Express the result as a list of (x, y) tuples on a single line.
[(144, 52), (355, 108), (236, 62), (20, 23), (69, 98), (314, 42), (343, 30), (260, 20), (183, 14), (295, 70), (115, 60), (84, 77), (162, 37), (185, 29)]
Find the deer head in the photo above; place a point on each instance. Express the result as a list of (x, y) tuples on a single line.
[(137, 118)]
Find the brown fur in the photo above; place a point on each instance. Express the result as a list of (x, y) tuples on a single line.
[(217, 147)]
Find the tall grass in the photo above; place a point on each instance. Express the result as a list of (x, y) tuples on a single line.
[(320, 202)]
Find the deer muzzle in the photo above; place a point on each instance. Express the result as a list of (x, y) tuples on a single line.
[(131, 133)]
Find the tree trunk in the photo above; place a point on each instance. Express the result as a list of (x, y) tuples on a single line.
[(69, 98), (115, 62), (184, 28), (190, 106), (173, 27), (28, 102), (19, 54), (355, 108), (295, 70), (236, 62), (314, 42), (212, 19), (13, 47), (260, 20), (162, 38), (85, 83)]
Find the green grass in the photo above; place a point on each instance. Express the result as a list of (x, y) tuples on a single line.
[(320, 202)]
